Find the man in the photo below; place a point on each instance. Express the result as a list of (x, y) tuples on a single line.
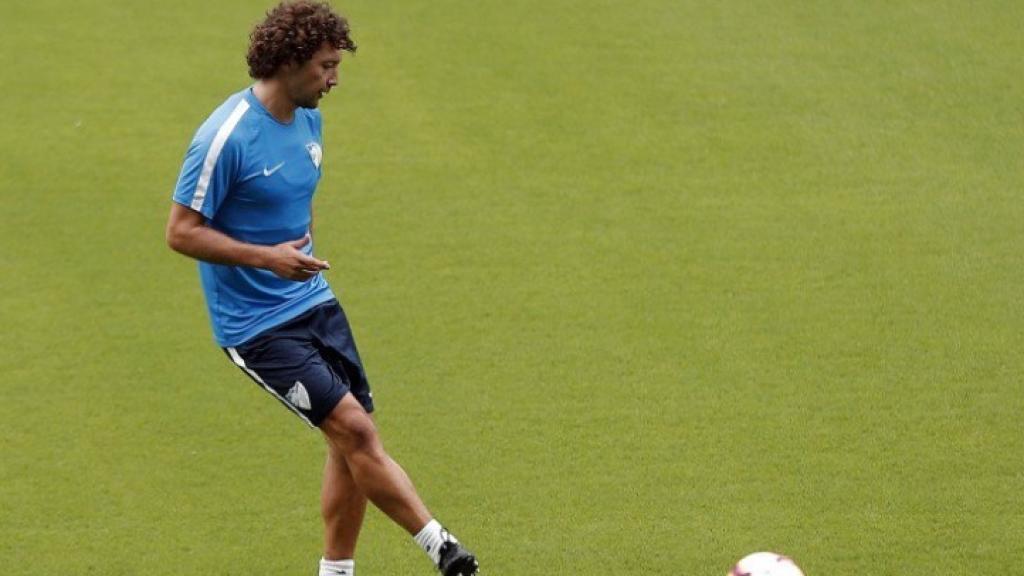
[(242, 207)]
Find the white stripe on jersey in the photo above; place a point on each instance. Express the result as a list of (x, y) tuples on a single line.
[(214, 152), (237, 359)]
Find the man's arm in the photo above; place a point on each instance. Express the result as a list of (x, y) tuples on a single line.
[(188, 234)]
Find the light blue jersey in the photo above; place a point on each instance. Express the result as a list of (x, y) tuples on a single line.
[(253, 179)]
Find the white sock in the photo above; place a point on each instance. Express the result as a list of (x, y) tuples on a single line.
[(431, 538), (337, 567)]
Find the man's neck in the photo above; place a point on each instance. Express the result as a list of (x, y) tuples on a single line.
[(271, 93)]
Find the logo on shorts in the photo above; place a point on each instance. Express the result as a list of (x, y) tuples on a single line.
[(298, 396)]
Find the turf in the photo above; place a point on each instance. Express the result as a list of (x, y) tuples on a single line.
[(641, 286)]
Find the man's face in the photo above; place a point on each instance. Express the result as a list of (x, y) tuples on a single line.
[(315, 78)]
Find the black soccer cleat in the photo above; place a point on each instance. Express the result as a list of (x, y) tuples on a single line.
[(456, 560)]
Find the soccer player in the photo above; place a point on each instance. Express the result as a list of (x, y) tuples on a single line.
[(242, 207)]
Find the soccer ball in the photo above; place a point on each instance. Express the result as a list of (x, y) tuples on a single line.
[(765, 564)]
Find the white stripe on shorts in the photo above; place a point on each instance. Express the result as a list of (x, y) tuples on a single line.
[(252, 373)]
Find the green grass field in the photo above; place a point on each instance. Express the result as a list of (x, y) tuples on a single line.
[(641, 286)]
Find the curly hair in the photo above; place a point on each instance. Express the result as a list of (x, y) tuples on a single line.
[(293, 32)]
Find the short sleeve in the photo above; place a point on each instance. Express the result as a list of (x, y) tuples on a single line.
[(209, 169)]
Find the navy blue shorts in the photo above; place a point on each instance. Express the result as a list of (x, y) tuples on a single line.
[(308, 363)]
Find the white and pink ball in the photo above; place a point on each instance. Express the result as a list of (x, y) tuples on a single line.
[(766, 564)]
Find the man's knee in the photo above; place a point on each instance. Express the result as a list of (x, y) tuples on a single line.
[(349, 428)]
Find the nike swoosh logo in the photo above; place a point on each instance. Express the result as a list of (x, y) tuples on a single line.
[(269, 171)]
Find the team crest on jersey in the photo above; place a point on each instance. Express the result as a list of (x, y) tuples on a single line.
[(315, 153)]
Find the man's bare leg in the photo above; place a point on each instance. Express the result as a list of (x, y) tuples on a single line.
[(343, 506), (352, 435), (350, 432)]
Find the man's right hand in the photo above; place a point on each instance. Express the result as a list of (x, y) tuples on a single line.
[(289, 262)]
